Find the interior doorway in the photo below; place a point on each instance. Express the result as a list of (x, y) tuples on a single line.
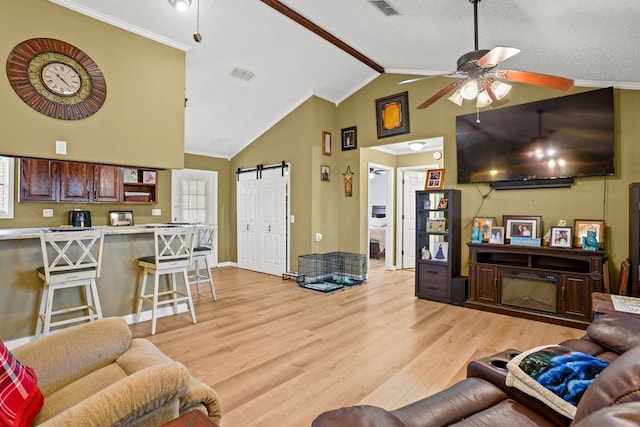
[(380, 214)]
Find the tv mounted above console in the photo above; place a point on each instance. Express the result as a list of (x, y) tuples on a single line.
[(543, 144)]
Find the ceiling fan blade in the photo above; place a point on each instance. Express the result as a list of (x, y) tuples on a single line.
[(496, 56), (545, 80), (417, 79), (448, 88)]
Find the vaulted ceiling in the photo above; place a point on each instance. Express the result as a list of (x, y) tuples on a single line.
[(594, 43)]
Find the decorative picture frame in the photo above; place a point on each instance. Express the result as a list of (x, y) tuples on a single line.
[(443, 203), (325, 173), (561, 237), (496, 235), (521, 226), (130, 175), (326, 143), (485, 224), (435, 179), (580, 227), (392, 115), (149, 177), (349, 138)]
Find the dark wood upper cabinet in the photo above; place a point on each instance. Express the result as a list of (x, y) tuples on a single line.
[(39, 180), (76, 182), (59, 181), (107, 183)]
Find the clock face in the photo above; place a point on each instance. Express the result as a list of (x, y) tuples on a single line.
[(56, 79), (61, 78), (437, 155)]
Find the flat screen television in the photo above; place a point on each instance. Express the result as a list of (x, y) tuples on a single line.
[(539, 144)]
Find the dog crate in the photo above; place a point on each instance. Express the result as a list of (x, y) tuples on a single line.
[(332, 271)]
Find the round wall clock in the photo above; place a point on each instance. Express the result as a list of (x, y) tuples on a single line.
[(56, 79)]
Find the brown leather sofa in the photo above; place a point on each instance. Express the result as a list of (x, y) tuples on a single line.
[(483, 399)]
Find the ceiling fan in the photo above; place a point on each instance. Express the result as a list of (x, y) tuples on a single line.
[(477, 77)]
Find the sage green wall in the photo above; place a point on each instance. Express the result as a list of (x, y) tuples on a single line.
[(588, 198), (297, 139), (142, 120), (226, 181)]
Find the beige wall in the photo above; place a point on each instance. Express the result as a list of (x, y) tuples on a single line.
[(142, 120)]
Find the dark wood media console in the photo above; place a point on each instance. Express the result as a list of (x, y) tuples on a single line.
[(564, 277)]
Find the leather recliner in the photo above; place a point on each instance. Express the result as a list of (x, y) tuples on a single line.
[(482, 399)]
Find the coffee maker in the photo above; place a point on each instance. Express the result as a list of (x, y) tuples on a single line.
[(80, 218)]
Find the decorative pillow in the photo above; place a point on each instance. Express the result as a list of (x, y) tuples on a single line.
[(554, 375), (20, 397)]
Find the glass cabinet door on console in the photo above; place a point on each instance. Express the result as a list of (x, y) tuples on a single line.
[(437, 243)]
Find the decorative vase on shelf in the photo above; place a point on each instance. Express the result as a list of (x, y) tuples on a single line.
[(476, 235)]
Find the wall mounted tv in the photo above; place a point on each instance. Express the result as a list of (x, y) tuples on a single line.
[(540, 144)]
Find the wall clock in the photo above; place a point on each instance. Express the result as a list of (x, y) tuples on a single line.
[(56, 78)]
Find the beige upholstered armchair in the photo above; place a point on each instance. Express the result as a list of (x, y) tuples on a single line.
[(95, 374)]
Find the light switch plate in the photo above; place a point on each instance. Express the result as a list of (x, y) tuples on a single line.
[(47, 213), (156, 212), (61, 147)]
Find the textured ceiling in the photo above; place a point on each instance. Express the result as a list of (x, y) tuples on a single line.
[(595, 43)]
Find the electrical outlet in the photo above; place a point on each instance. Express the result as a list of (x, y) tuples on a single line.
[(47, 213), (156, 212)]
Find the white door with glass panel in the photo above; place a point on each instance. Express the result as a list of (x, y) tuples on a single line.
[(194, 199)]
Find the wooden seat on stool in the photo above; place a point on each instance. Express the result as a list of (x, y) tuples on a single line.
[(173, 252), (202, 250), (72, 259)]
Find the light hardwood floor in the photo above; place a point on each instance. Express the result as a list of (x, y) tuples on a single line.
[(279, 355)]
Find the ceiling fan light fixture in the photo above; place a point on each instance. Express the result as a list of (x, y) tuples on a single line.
[(469, 90), (416, 145), (457, 98), (180, 5), (483, 99), (500, 89)]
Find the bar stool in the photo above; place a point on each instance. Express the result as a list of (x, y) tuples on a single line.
[(203, 248), (173, 252), (71, 259)]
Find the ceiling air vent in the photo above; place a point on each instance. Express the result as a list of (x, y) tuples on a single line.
[(384, 7), (242, 74)]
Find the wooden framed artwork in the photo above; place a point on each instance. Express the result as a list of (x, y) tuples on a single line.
[(484, 224), (149, 177), (496, 235), (349, 138), (392, 115), (326, 143), (560, 237), (325, 172), (130, 175), (580, 228), (521, 226), (435, 179)]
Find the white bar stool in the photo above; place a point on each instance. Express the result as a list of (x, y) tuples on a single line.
[(71, 259), (202, 250), (173, 252)]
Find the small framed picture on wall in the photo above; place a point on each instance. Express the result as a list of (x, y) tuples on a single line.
[(326, 143)]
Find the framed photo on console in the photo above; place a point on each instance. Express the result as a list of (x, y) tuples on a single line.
[(496, 235), (521, 226), (560, 237), (484, 224), (581, 226), (435, 179)]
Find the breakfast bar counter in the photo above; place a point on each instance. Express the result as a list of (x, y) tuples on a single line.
[(20, 287)]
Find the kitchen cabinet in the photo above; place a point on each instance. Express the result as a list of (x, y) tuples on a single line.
[(39, 180), (44, 180)]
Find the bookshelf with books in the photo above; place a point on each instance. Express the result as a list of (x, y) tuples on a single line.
[(437, 243)]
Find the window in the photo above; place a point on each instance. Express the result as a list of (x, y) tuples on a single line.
[(194, 200), (6, 187)]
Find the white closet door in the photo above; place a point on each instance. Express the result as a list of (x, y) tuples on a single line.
[(413, 181), (247, 221), (262, 221), (273, 221)]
